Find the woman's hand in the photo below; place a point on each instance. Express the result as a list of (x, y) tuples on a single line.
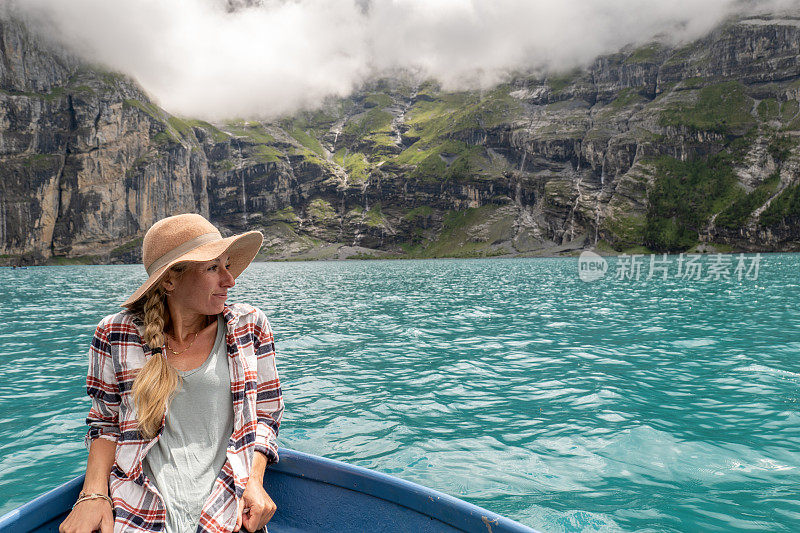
[(255, 508), (97, 514), (89, 516)]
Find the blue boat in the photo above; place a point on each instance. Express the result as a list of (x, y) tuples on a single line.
[(316, 494)]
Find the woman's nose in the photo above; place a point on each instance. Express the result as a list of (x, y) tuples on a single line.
[(228, 280)]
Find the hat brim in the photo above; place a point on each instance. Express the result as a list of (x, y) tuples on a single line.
[(242, 249)]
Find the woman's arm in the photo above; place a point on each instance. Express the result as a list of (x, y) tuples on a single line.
[(269, 398), (103, 420), (256, 507), (91, 515)]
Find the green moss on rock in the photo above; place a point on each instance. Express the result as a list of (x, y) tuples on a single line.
[(374, 120), (252, 131), (128, 246), (321, 211), (432, 168), (308, 140), (374, 217), (768, 110), (645, 54), (626, 98), (216, 134), (181, 126), (434, 121), (790, 113), (147, 108), (355, 164), (735, 215), (380, 100), (286, 215), (683, 197), (784, 207), (423, 211), (559, 82), (455, 241), (721, 108), (781, 146), (449, 160), (265, 153), (625, 230)]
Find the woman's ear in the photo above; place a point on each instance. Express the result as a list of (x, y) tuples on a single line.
[(167, 284)]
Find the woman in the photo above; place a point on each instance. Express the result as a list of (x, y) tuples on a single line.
[(186, 401)]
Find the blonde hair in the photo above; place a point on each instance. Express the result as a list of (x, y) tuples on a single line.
[(157, 381)]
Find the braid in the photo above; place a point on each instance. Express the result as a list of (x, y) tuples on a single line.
[(157, 380), (155, 318)]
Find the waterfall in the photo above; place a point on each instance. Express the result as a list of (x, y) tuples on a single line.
[(244, 201), (522, 164), (2, 224), (597, 204), (396, 121), (336, 128), (577, 201), (596, 221)]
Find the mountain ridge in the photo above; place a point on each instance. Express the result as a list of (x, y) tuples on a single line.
[(652, 149)]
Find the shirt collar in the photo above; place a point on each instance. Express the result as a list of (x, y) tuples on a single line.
[(230, 315)]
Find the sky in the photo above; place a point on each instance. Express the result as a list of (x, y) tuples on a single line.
[(198, 58)]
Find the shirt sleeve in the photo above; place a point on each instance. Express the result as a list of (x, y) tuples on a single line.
[(269, 400), (103, 389)]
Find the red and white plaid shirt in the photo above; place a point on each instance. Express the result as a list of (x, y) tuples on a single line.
[(117, 352)]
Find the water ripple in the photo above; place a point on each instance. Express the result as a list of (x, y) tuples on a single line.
[(660, 406)]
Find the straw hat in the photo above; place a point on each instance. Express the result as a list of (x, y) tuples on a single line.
[(190, 237)]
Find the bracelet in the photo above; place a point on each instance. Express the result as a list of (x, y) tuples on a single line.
[(95, 494), (83, 496)]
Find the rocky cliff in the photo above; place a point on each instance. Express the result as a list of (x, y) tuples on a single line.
[(653, 148), (85, 161)]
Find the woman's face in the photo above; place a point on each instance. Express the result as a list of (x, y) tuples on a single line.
[(203, 287)]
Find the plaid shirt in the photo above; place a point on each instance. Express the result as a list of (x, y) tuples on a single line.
[(117, 352)]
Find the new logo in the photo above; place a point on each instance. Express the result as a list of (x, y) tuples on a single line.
[(591, 266)]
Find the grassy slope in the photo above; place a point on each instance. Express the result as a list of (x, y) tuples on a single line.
[(441, 141)]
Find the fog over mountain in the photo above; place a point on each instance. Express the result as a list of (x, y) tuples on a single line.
[(219, 59)]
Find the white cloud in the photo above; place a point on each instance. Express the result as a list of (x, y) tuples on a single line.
[(196, 58)]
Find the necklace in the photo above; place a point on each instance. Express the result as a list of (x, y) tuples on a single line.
[(190, 344), (178, 353)]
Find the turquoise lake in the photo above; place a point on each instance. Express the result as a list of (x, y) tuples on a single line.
[(610, 405)]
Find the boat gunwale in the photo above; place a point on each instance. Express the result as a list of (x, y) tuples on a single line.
[(424, 500)]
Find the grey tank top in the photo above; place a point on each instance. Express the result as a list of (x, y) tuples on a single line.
[(187, 458)]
